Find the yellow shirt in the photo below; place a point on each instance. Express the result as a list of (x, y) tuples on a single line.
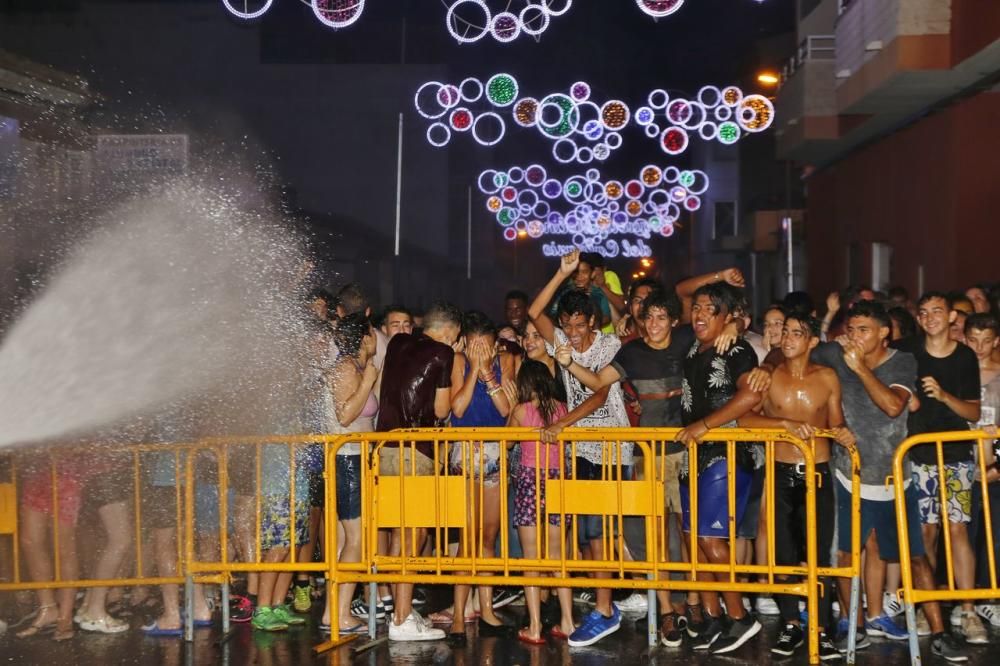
[(615, 285)]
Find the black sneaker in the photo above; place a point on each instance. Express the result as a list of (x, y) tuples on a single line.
[(711, 629), (419, 599), (789, 640), (827, 650), (693, 620), (861, 642), (948, 648), (503, 596), (738, 633), (670, 633)]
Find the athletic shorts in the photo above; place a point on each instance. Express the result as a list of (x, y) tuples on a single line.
[(713, 499), (959, 478), (881, 517)]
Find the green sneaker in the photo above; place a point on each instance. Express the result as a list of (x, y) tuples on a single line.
[(283, 614), (266, 619), (303, 598)]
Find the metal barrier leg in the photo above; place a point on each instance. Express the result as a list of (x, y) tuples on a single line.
[(372, 603), (911, 624), (852, 627), (188, 608), (651, 615), (225, 605)]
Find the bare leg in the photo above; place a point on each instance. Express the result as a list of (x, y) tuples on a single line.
[(874, 577), (963, 559), (532, 600), (115, 520), (351, 552), (717, 552), (165, 552)]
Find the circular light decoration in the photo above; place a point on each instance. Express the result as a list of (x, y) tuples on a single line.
[(652, 130), (614, 140), (526, 111), (535, 228), (337, 13), (557, 116), (552, 188), (613, 189), (470, 89), (755, 113), (246, 9), (448, 95), (671, 174), (709, 96), (564, 151), (614, 114), (501, 90), (668, 230), (678, 111), (438, 134), (508, 194), (505, 27), (534, 175), (461, 119), (633, 208), (557, 12), (509, 234), (651, 175), (731, 95), (534, 20), (659, 8), (677, 193), (584, 155), (499, 179), (426, 100), (634, 189), (494, 203), (673, 141), (485, 182), (728, 133), (601, 151), (580, 91), (686, 178), (644, 115), (515, 175), (658, 98), (723, 113), (708, 130), (692, 203), (506, 216), (487, 140), (452, 21)]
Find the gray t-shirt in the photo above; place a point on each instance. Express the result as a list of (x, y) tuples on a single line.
[(877, 433)]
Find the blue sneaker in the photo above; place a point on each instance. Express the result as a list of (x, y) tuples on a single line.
[(595, 627), (884, 626)]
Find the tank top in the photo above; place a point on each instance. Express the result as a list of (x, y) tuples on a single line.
[(530, 450), (365, 422), (481, 412)]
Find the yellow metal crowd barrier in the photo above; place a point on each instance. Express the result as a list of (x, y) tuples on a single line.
[(901, 478), (243, 472)]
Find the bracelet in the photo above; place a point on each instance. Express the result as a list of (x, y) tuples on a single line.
[(493, 392)]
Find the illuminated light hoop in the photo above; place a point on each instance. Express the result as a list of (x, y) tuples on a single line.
[(633, 207), (580, 91), (507, 32), (475, 126), (541, 209), (448, 95), (756, 113), (693, 120), (526, 111), (515, 175), (527, 24), (494, 81), (634, 189), (524, 209), (569, 116), (692, 203), (651, 175), (652, 130), (351, 11), (246, 15), (615, 114), (593, 130), (552, 188), (644, 116), (552, 12), (686, 178), (534, 175), (536, 229), (451, 21), (707, 130), (499, 179), (468, 97), (678, 111), (655, 222), (668, 230), (701, 178), (728, 133), (492, 187), (564, 159), (678, 193), (614, 190), (672, 211), (659, 8), (509, 194), (521, 224), (613, 138), (461, 119), (714, 96), (671, 174), (573, 183), (731, 95), (592, 175), (494, 204), (649, 208), (509, 234), (658, 98), (416, 100), (723, 113), (673, 141), (659, 198), (582, 122), (438, 127), (601, 151)]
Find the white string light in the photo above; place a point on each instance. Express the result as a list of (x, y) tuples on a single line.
[(246, 13), (338, 13)]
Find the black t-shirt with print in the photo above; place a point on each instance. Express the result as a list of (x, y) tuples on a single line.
[(710, 381), (958, 374), (653, 371)]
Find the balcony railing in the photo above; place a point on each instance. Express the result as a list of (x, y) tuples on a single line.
[(813, 47)]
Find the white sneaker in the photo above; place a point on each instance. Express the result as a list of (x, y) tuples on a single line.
[(891, 605), (634, 603), (767, 606), (973, 629), (956, 616), (413, 629), (990, 613)]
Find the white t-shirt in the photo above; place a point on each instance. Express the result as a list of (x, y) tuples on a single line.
[(610, 415)]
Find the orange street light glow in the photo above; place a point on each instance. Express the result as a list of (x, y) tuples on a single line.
[(767, 78), (522, 233)]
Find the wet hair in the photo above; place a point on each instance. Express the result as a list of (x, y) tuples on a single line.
[(352, 298), (349, 331), (720, 295), (395, 307), (535, 381), (442, 313), (983, 321), (810, 323), (476, 323), (644, 282), (575, 302), (872, 310), (592, 259), (798, 302), (664, 300), (936, 294), (516, 295), (319, 293), (904, 320)]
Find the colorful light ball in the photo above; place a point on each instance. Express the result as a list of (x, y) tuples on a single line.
[(677, 193), (337, 13), (633, 207), (534, 175), (644, 115), (686, 178), (667, 231), (613, 189), (731, 95), (659, 8), (580, 91), (535, 228), (674, 140), (728, 133), (614, 114), (505, 27), (508, 194), (601, 151), (634, 189), (526, 111), (501, 90), (494, 203), (552, 188), (679, 111), (460, 119), (509, 234), (692, 203), (651, 175), (755, 113)]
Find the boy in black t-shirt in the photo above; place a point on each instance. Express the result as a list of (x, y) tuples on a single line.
[(948, 392)]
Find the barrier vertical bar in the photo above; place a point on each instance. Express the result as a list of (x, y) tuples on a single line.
[(137, 506), (812, 583), (57, 563), (15, 534), (188, 545), (945, 517), (987, 513)]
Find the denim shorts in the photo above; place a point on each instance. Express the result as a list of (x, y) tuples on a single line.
[(348, 487), (591, 527), (881, 517)]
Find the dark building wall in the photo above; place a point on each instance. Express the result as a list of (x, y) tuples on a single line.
[(928, 190)]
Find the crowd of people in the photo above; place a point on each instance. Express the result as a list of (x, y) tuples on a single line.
[(875, 369)]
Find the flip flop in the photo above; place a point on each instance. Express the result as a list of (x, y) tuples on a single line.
[(356, 629), (525, 638), (444, 617), (155, 630), (556, 632)]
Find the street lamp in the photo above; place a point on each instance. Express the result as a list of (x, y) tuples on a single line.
[(768, 79)]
